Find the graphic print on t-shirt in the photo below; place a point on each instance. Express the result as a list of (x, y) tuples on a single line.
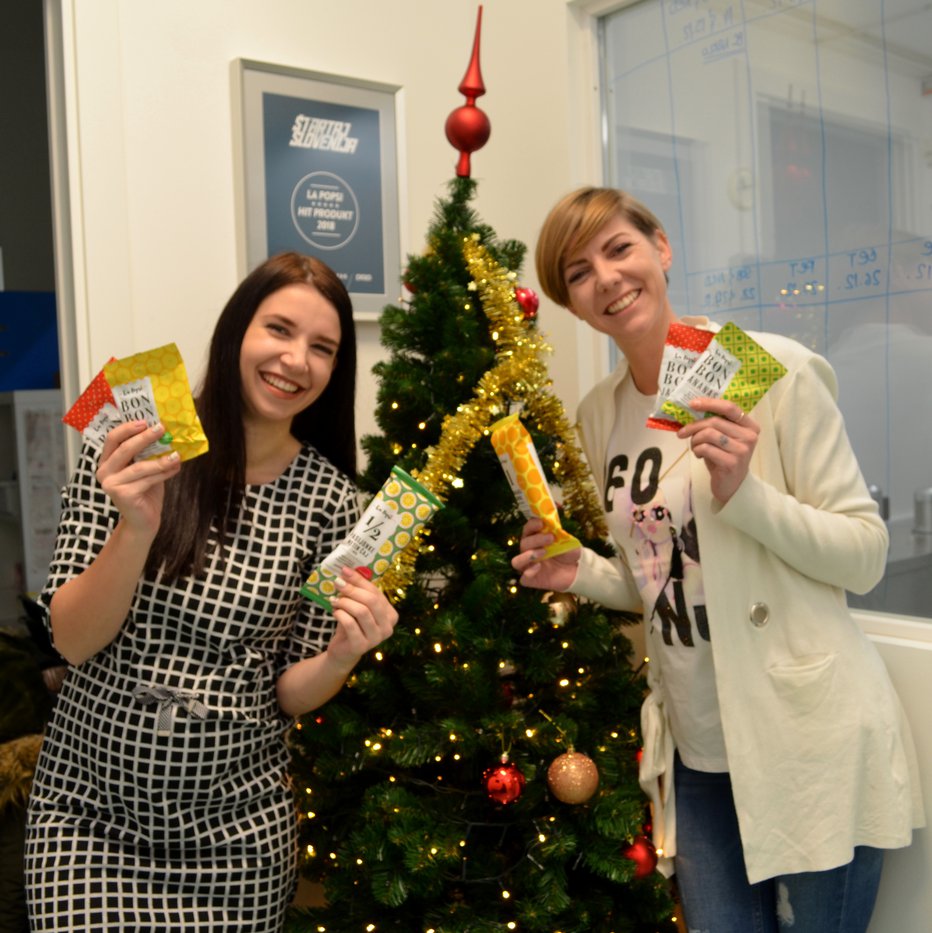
[(661, 546)]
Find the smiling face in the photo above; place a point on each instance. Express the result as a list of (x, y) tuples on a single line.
[(616, 282), (288, 353)]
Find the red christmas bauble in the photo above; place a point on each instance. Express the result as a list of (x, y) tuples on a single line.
[(468, 128), (504, 783), (508, 693), (643, 854), (529, 302)]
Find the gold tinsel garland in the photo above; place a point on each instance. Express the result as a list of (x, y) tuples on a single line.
[(519, 374)]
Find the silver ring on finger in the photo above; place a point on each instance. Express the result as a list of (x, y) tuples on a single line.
[(723, 440)]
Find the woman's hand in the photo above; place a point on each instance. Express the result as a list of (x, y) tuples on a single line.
[(724, 442), (88, 610), (137, 489), (365, 618), (541, 572)]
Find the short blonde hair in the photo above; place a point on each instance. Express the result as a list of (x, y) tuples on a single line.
[(573, 221)]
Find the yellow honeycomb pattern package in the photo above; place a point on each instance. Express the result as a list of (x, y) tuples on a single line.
[(153, 387), (522, 466), (394, 516)]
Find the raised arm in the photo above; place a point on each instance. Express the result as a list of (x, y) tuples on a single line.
[(88, 610), (823, 523)]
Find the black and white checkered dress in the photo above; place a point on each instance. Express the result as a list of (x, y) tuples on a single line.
[(161, 800)]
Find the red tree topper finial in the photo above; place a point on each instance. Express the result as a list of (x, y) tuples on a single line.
[(468, 128)]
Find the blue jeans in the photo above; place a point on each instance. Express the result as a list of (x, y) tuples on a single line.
[(712, 880)]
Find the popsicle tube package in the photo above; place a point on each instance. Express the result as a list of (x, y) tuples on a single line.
[(519, 460), (151, 386), (733, 366), (397, 512)]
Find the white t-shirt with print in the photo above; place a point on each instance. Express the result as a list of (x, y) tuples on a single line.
[(648, 502)]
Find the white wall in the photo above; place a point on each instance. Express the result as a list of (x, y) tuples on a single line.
[(147, 117)]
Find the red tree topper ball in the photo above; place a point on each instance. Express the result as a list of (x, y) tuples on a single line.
[(467, 127), (504, 783)]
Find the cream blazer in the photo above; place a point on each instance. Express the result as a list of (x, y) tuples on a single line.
[(819, 751)]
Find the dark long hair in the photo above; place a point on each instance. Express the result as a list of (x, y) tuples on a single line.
[(209, 489)]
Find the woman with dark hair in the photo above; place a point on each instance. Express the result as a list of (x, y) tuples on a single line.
[(161, 799)]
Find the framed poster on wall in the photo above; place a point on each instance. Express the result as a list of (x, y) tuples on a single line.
[(319, 175)]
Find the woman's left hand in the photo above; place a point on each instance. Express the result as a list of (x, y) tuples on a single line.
[(365, 617), (724, 441)]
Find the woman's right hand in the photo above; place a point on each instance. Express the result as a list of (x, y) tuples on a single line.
[(88, 610), (137, 489), (538, 571)]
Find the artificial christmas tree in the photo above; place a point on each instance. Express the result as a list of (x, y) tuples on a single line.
[(423, 786)]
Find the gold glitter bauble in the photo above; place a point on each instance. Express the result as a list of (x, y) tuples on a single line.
[(573, 777), (562, 606)]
